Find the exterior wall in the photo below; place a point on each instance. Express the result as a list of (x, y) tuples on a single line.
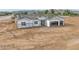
[(43, 22), (28, 23), (48, 23), (51, 21), (36, 23)]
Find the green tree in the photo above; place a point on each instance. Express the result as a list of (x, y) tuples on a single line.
[(46, 11), (52, 11), (67, 13)]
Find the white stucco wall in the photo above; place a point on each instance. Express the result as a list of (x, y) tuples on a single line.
[(38, 24), (49, 21), (28, 23)]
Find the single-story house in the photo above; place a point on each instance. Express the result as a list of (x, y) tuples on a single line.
[(26, 22)]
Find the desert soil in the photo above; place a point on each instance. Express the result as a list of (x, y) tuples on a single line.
[(41, 38)]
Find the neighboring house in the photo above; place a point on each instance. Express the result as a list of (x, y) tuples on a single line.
[(26, 22)]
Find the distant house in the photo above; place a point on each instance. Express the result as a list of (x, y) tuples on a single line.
[(27, 22)]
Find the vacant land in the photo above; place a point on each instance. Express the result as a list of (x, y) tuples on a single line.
[(58, 38)]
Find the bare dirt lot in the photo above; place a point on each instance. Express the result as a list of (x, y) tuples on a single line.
[(43, 38)]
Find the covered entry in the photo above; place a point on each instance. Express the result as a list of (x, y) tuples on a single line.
[(61, 23), (54, 23)]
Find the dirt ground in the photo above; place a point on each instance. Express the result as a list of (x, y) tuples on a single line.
[(41, 38)]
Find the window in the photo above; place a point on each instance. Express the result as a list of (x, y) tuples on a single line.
[(36, 22), (23, 23)]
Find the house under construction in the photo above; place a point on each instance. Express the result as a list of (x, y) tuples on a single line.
[(27, 22)]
